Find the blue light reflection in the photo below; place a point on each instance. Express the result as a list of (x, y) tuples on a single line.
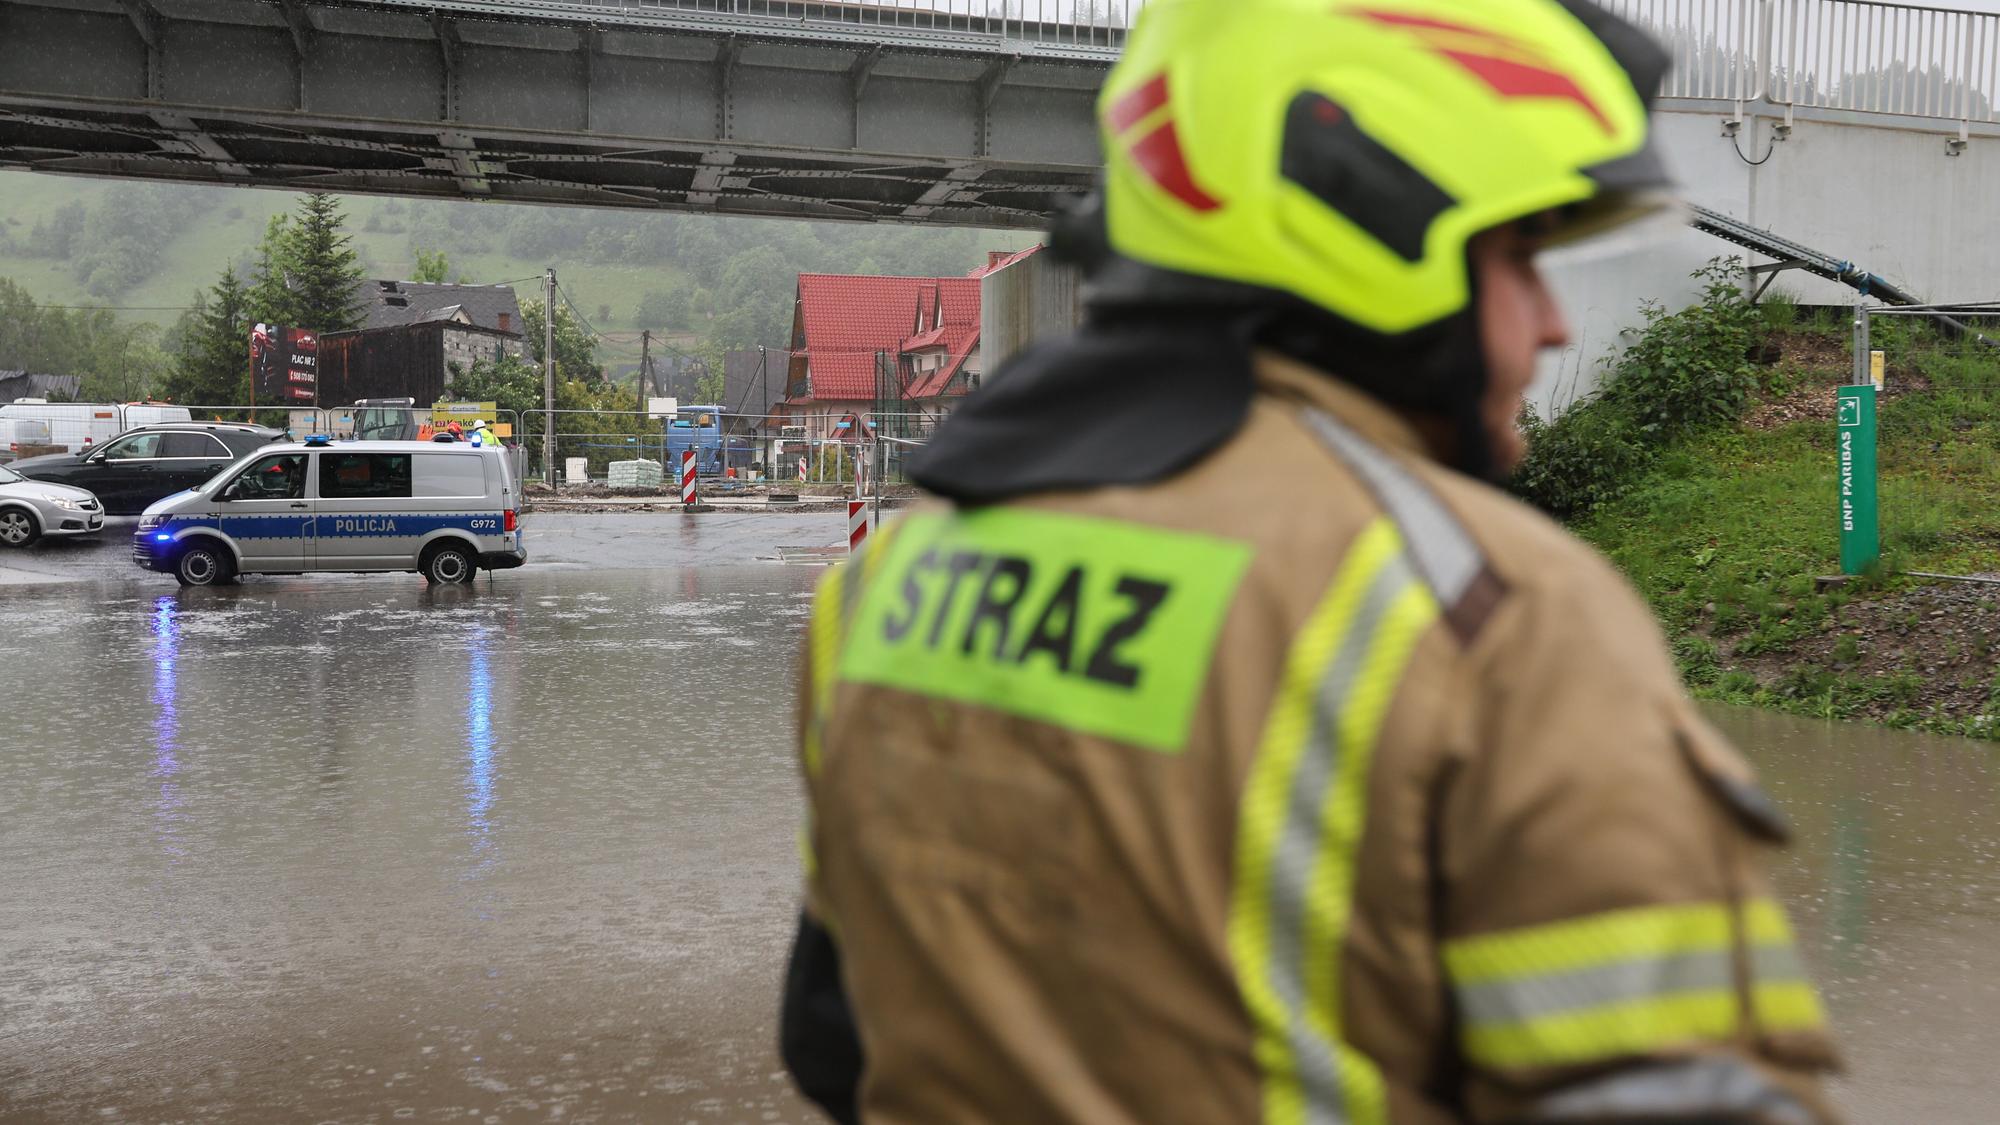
[(167, 815), (479, 751)]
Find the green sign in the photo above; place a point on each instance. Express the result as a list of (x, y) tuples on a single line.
[(1097, 625), (1860, 542)]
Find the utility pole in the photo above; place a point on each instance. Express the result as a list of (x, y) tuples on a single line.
[(645, 416), (549, 376), (645, 364)]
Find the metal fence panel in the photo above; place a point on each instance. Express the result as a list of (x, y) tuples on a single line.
[(1033, 23)]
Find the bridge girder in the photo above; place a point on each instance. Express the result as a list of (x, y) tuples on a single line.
[(555, 103)]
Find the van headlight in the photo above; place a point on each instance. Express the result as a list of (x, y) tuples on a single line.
[(148, 523)]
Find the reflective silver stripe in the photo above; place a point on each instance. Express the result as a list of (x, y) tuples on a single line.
[(1446, 554), (1301, 845), (1696, 1089), (1519, 1000)]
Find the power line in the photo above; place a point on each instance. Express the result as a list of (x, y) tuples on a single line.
[(121, 308), (606, 337)]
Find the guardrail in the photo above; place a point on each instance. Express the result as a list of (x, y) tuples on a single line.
[(1856, 56), (1082, 24)]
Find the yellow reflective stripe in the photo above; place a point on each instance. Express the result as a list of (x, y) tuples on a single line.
[(1609, 938), (1642, 1026), (1302, 813), (825, 635), (1791, 1005), (1764, 923), (1627, 981), (1633, 1027)]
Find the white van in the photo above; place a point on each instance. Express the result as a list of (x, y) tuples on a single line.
[(78, 425), (17, 432), (442, 509)]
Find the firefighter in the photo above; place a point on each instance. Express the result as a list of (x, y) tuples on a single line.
[(1223, 747)]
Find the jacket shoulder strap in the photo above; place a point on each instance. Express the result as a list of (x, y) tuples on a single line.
[(1445, 554)]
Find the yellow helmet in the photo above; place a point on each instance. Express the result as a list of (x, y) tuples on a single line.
[(1341, 154)]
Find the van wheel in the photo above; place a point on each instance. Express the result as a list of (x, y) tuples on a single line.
[(448, 566), (204, 565), (18, 528)]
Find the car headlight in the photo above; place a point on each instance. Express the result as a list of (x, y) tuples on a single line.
[(148, 523), (67, 503)]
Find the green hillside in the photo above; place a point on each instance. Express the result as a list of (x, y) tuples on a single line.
[(145, 249)]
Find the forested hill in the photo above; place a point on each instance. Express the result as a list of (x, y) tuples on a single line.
[(148, 248)]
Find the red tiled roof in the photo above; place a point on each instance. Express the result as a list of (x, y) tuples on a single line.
[(849, 319)]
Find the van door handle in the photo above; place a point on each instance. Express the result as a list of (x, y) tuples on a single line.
[(298, 505)]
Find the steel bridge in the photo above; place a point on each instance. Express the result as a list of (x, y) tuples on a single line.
[(938, 111), (918, 111)]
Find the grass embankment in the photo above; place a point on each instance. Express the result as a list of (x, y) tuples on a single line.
[(1725, 531)]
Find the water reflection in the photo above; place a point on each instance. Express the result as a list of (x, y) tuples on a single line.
[(479, 753), (167, 803)]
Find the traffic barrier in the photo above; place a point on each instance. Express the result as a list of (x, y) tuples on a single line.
[(857, 524), (802, 470), (687, 476)]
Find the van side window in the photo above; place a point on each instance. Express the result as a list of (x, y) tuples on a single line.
[(281, 476), (364, 476), (451, 476)]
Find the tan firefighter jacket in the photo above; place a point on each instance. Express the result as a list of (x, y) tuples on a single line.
[(1314, 783)]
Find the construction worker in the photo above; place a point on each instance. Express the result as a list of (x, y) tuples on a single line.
[(1225, 749)]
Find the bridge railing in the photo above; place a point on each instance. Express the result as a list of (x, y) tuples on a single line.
[(1033, 23), (1868, 57), (1857, 56)]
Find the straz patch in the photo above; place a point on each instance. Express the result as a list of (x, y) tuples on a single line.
[(1103, 627)]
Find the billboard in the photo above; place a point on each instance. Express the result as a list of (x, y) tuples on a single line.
[(284, 365)]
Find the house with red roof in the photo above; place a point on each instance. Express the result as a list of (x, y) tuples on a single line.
[(877, 347)]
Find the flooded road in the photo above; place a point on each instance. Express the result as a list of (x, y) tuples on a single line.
[(349, 850), (1893, 880)]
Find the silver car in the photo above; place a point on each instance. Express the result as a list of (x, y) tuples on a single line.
[(30, 509)]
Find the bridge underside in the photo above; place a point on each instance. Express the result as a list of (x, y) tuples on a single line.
[(555, 103)]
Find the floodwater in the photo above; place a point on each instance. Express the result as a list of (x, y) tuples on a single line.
[(352, 850), (1893, 880)]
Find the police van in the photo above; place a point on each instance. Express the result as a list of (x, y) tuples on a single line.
[(442, 509)]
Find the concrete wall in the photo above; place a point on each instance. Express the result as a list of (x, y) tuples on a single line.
[(1880, 192), (1029, 300)]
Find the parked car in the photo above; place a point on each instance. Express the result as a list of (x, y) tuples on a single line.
[(30, 509), (140, 466), (443, 509)]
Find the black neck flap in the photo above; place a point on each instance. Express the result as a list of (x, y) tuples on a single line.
[(1117, 403)]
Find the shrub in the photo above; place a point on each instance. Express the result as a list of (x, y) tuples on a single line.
[(1689, 371)]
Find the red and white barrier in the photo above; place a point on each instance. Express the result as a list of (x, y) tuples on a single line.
[(857, 524), (687, 476), (802, 470)]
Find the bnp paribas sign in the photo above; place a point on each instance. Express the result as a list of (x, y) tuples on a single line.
[(1860, 544)]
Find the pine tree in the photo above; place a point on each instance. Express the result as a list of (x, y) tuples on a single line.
[(307, 270), (270, 292), (323, 266), (213, 368)]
